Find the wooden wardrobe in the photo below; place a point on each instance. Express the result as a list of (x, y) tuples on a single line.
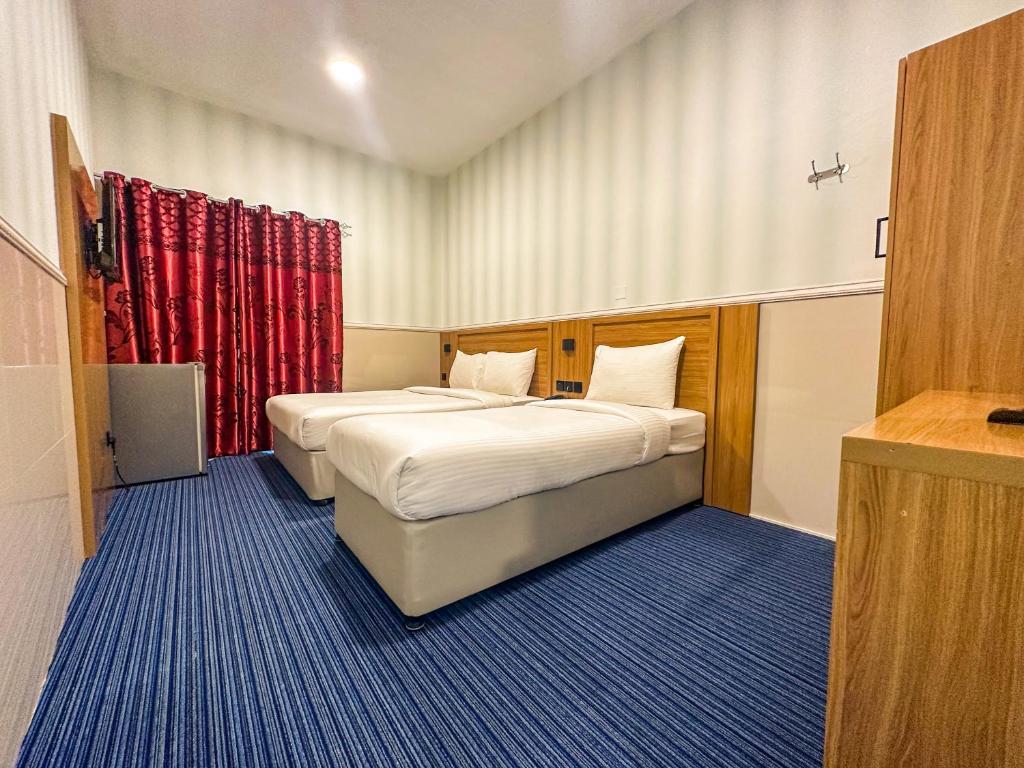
[(953, 316), (928, 604)]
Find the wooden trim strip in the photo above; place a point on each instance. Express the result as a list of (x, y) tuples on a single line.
[(734, 408), (890, 245)]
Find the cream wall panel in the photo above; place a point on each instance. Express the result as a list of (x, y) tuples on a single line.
[(678, 171), (817, 370), (177, 141), (387, 359), (40, 524), (43, 69)]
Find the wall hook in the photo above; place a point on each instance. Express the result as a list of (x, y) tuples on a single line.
[(839, 170)]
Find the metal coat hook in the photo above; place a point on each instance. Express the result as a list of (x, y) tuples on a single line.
[(817, 175)]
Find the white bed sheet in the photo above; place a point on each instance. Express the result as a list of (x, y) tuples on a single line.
[(688, 429), (430, 465), (305, 418)]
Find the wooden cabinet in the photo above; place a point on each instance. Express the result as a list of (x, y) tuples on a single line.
[(955, 269), (928, 608)]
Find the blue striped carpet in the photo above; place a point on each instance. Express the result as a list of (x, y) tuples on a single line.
[(221, 625)]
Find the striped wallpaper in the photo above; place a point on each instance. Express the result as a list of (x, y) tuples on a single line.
[(678, 171), (393, 259), (42, 70)]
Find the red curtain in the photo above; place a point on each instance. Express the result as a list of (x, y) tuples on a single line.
[(255, 295), (291, 311)]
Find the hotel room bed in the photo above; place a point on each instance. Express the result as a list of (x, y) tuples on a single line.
[(301, 422), (440, 506)]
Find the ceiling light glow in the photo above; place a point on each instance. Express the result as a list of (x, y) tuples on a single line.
[(347, 73)]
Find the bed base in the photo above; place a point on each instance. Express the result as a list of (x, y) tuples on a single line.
[(423, 565), (312, 470)]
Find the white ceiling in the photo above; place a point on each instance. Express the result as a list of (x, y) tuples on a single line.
[(444, 77)]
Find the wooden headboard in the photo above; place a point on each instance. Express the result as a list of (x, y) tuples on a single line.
[(717, 376), (717, 373), (698, 365), (506, 338)]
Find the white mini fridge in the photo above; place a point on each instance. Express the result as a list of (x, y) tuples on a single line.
[(158, 419)]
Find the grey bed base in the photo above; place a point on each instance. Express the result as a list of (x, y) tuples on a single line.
[(423, 565), (312, 470)]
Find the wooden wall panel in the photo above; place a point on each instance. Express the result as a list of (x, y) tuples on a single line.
[(575, 365), (734, 404), (955, 279), (890, 243), (76, 200), (447, 358)]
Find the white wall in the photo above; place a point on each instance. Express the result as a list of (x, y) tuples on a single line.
[(678, 171), (42, 70), (392, 262), (817, 369)]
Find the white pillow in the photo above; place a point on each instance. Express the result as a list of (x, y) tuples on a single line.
[(466, 371), (643, 375), (508, 373)]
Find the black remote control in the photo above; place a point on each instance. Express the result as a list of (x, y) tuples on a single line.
[(1007, 416)]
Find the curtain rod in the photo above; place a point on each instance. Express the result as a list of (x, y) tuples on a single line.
[(345, 228)]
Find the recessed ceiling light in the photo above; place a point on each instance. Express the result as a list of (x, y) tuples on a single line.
[(346, 73)]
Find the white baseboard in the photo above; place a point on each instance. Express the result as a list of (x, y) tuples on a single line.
[(794, 527), (385, 327)]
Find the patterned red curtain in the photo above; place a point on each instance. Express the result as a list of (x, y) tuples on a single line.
[(254, 295), (291, 311)]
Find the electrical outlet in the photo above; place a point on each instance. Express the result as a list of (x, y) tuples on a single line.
[(620, 292)]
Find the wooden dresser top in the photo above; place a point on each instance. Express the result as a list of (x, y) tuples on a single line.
[(944, 433)]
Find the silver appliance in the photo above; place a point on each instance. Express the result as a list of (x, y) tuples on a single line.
[(158, 418)]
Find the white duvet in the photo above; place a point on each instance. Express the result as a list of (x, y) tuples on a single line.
[(429, 465), (305, 418)]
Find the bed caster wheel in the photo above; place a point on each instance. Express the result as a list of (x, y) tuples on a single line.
[(414, 625)]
